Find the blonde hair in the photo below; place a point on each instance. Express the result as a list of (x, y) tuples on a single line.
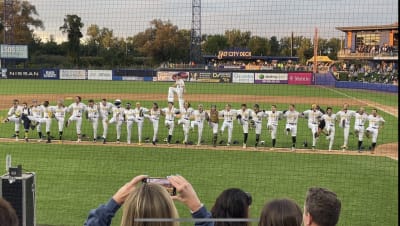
[(149, 201)]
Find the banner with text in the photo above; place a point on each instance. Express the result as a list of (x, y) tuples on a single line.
[(271, 78), (73, 74), (50, 74), (213, 77), (100, 75), (243, 77), (171, 75), (303, 78), (23, 73)]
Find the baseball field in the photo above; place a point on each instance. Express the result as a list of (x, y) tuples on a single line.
[(73, 178)]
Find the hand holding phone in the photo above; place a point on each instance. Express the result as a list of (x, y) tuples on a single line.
[(163, 182)]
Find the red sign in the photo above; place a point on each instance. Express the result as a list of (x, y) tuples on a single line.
[(302, 78)]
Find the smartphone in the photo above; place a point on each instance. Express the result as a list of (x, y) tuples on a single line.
[(163, 182)]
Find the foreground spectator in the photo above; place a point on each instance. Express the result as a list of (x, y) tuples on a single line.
[(321, 208), (281, 212), (8, 217)]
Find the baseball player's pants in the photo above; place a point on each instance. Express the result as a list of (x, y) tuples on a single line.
[(155, 128), (214, 127), (374, 133), (314, 129), (60, 122), (38, 121), (346, 131), (118, 126), (186, 127), (330, 129), (272, 129), (200, 126), (228, 124), (17, 122), (78, 121), (360, 130), (245, 125), (179, 94), (170, 124), (292, 128), (258, 127), (139, 122), (105, 127), (95, 125), (46, 121), (129, 124)]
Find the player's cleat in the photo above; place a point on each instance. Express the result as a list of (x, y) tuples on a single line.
[(39, 140), (165, 139), (313, 148), (168, 144), (228, 144), (140, 144), (104, 140), (244, 146), (293, 149), (153, 142), (128, 142), (343, 147), (117, 141), (79, 140), (48, 141), (94, 140), (262, 142), (26, 139)]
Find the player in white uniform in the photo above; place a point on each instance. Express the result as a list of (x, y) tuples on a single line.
[(375, 123), (93, 114), (213, 120), (105, 111), (170, 113), (60, 112), (359, 126), (117, 118), (314, 117), (185, 115), (129, 115), (48, 115), (329, 129), (344, 117), (14, 115), (154, 117), (292, 117), (244, 115), (139, 112), (77, 109), (273, 117), (256, 118), (36, 117), (228, 114), (199, 117), (179, 89)]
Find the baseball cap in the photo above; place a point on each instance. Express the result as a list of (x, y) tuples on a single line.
[(117, 102)]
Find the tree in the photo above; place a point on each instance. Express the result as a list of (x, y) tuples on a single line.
[(214, 43), (259, 46), (236, 38), (274, 51), (23, 22), (72, 26)]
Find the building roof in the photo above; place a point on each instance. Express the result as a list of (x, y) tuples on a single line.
[(394, 26), (265, 58), (320, 59)]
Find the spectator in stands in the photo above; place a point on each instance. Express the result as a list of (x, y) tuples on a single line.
[(281, 212), (321, 208), (8, 217)]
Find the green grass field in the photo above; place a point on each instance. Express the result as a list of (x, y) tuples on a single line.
[(72, 179)]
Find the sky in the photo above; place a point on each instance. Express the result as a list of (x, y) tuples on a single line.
[(261, 17)]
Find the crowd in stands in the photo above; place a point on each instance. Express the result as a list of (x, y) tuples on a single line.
[(376, 49), (150, 204)]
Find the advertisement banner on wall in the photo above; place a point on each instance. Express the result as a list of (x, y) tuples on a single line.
[(132, 78), (100, 75), (73, 74), (301, 78), (23, 73), (170, 75), (243, 77), (213, 77), (271, 78), (50, 74)]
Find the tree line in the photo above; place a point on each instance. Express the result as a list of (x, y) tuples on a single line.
[(161, 42)]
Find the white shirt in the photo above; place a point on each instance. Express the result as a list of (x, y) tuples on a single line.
[(291, 117), (16, 111), (139, 112), (245, 114), (37, 111), (129, 114), (180, 83), (345, 116), (118, 113), (199, 116), (77, 109), (60, 111), (273, 117), (228, 115), (186, 113), (93, 112), (169, 113), (375, 121), (48, 111), (313, 116), (105, 110), (155, 114), (360, 119), (329, 119), (257, 117)]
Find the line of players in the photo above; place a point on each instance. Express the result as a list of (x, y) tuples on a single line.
[(318, 120)]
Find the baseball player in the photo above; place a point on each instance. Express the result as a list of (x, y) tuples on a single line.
[(129, 115), (213, 120), (179, 88), (154, 117), (92, 114), (314, 117), (59, 115), (36, 117), (292, 117), (48, 114), (25, 112), (273, 117), (14, 115), (199, 116), (359, 123), (185, 115), (243, 117), (228, 115), (117, 118), (329, 128), (76, 109), (105, 111), (139, 112), (344, 117), (170, 113), (375, 123), (256, 119)]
